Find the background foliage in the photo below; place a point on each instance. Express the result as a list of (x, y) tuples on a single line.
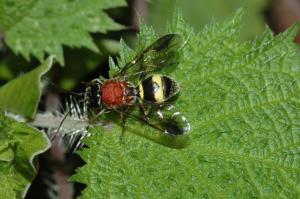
[(40, 26), (20, 143), (22, 94)]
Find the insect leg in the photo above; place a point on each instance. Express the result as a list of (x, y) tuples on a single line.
[(94, 117), (144, 111), (123, 115)]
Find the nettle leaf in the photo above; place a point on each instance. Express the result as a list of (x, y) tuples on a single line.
[(243, 102), (19, 144), (37, 27), (22, 95)]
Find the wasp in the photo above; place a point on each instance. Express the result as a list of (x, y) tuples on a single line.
[(138, 84)]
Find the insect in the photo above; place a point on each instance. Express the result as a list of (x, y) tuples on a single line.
[(136, 91)]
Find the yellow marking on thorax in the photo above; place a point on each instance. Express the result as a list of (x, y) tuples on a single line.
[(141, 90), (158, 88)]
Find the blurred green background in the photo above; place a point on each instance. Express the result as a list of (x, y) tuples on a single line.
[(199, 13)]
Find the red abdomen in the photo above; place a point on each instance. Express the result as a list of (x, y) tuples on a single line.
[(113, 93)]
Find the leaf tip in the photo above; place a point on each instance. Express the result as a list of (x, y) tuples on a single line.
[(238, 15), (293, 30)]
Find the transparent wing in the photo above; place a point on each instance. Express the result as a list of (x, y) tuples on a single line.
[(163, 52), (163, 124), (168, 120)]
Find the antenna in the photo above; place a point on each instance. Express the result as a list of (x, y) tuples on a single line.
[(65, 117)]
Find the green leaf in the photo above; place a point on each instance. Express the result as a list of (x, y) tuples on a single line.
[(19, 144), (22, 95), (37, 27), (5, 72), (113, 67), (243, 102)]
